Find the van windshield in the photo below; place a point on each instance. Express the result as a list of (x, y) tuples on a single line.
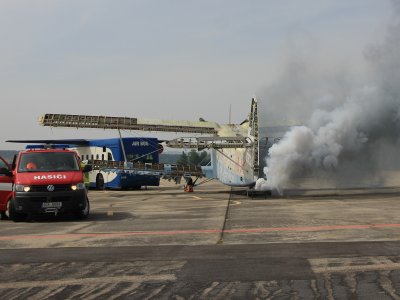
[(47, 162)]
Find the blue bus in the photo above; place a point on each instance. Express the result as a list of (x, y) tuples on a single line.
[(144, 150)]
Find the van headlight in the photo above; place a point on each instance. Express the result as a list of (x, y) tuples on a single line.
[(22, 188), (79, 186)]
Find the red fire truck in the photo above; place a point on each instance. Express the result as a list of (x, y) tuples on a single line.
[(43, 181)]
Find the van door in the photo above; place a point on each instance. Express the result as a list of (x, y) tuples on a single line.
[(6, 181)]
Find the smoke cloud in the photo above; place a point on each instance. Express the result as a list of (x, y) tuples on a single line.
[(350, 136)]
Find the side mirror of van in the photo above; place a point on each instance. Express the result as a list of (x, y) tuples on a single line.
[(87, 169)]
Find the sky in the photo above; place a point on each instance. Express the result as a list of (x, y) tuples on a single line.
[(175, 59)]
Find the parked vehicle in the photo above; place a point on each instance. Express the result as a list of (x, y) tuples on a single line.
[(135, 150), (46, 181)]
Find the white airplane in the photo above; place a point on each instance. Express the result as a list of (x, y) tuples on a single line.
[(235, 148)]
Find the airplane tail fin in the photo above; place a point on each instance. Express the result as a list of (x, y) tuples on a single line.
[(253, 134)]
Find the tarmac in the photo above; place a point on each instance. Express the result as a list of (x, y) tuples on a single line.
[(214, 243)]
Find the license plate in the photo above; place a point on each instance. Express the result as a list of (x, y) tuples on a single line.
[(51, 204)]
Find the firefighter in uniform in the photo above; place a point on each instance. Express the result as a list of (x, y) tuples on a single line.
[(31, 166), (189, 185)]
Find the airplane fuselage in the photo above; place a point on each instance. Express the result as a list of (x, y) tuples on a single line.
[(234, 167)]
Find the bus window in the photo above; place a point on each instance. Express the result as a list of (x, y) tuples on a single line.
[(97, 156), (92, 157), (109, 156)]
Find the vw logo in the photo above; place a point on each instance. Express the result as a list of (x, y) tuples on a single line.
[(50, 188)]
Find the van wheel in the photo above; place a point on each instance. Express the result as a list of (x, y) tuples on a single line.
[(99, 182), (84, 213), (12, 214)]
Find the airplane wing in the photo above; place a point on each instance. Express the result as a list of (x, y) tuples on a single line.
[(125, 123), (80, 142)]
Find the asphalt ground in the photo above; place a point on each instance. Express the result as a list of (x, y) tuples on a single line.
[(215, 243)]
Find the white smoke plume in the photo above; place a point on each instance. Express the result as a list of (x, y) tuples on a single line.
[(349, 138)]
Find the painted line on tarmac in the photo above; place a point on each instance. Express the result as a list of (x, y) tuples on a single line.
[(235, 202), (200, 231), (87, 281), (354, 264)]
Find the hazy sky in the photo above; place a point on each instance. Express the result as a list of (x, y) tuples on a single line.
[(166, 59)]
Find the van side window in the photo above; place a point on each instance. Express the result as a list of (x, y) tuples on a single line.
[(3, 165)]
